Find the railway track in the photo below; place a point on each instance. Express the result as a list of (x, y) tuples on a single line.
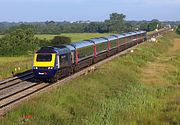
[(17, 89), (17, 77)]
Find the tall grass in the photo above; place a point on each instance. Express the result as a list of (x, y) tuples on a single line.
[(15, 65), (112, 95)]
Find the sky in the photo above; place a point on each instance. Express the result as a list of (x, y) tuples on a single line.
[(94, 10)]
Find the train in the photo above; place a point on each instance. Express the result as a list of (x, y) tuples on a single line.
[(52, 63)]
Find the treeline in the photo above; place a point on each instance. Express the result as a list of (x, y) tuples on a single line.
[(116, 24), (23, 42), (152, 25)]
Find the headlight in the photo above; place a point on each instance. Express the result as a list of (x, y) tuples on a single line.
[(35, 67), (50, 67)]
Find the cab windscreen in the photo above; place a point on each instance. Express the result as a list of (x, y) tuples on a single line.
[(44, 58)]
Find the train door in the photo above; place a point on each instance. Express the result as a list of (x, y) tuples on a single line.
[(72, 57), (57, 62)]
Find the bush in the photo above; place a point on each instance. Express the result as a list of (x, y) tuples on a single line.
[(60, 40), (178, 30), (20, 42)]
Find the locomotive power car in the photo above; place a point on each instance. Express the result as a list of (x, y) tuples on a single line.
[(54, 62)]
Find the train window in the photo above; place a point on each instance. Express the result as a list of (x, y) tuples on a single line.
[(44, 58), (63, 60), (100, 47), (113, 43), (85, 52), (121, 40)]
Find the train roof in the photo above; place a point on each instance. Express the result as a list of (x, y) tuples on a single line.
[(133, 33), (48, 49), (98, 40), (82, 44), (119, 36), (61, 49), (110, 37), (140, 32), (70, 47), (127, 34)]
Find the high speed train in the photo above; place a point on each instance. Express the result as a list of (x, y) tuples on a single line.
[(54, 62)]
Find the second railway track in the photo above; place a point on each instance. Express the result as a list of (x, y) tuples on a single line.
[(19, 76), (15, 82)]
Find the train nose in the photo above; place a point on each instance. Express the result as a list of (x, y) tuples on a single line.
[(44, 73)]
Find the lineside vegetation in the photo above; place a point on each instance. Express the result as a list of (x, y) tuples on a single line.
[(114, 94)]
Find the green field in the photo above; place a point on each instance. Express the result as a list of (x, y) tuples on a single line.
[(14, 64), (74, 36), (118, 92), (1, 36)]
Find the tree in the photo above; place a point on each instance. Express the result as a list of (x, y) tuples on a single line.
[(154, 24), (116, 23), (178, 30), (21, 26), (18, 42), (60, 40), (144, 26), (102, 28), (91, 27), (129, 27)]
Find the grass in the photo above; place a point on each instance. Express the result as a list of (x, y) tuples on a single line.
[(1, 36), (151, 32), (74, 36), (114, 94), (14, 64)]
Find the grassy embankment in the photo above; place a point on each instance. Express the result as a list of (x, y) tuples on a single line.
[(8, 64), (1, 36), (137, 88), (152, 32)]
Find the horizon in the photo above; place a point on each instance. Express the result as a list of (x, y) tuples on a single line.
[(69, 21)]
